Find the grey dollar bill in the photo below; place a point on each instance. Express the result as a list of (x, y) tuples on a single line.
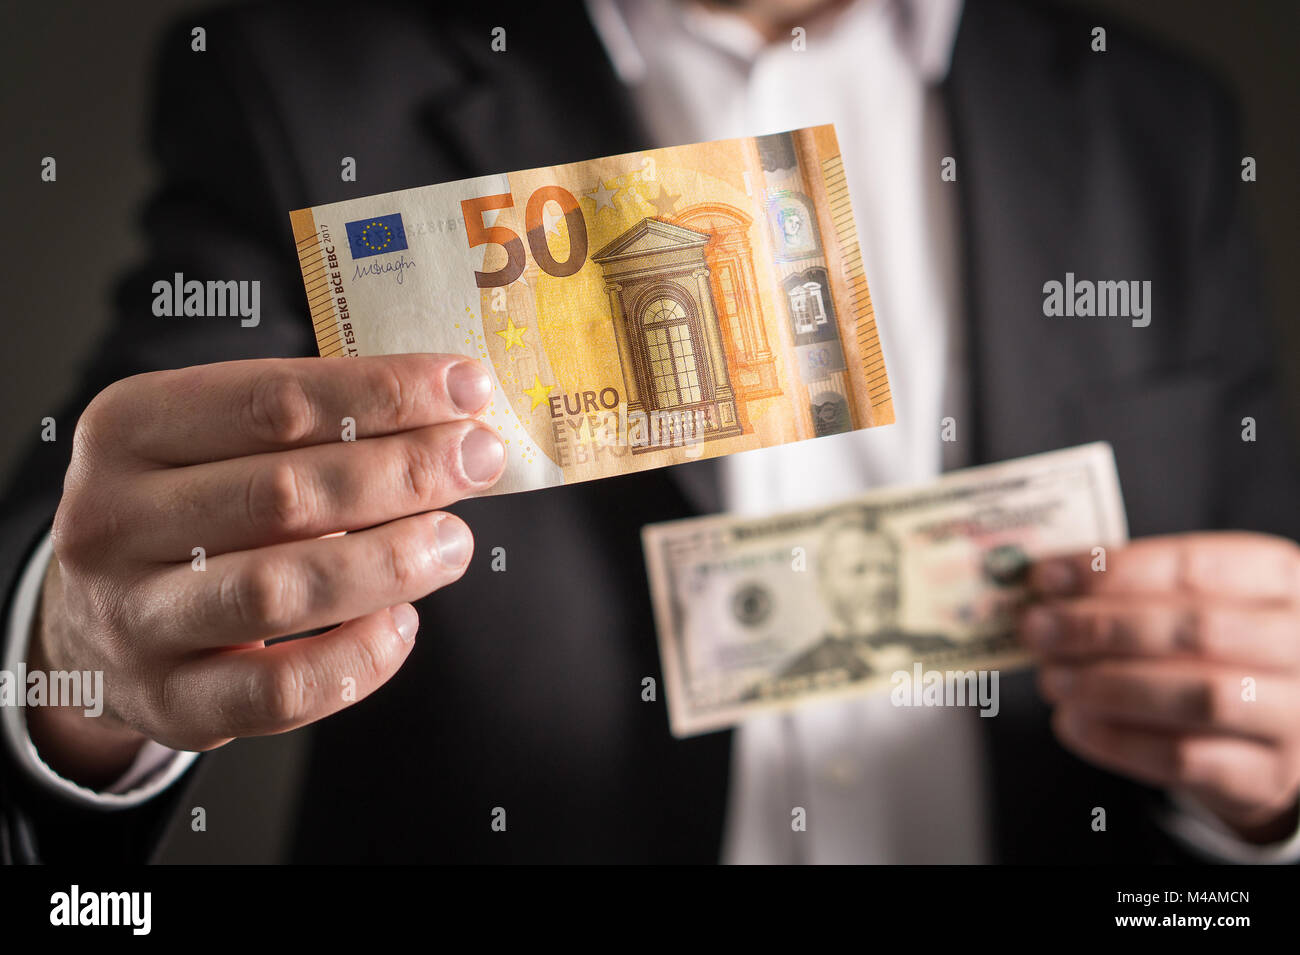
[(766, 613)]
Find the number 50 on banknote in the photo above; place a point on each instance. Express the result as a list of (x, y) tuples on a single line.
[(636, 311)]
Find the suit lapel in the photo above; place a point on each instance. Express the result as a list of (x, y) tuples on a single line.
[(1026, 219), (500, 116)]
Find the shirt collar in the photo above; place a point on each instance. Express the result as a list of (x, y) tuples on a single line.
[(924, 29)]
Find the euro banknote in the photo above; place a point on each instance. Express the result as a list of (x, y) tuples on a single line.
[(635, 311), (762, 614)]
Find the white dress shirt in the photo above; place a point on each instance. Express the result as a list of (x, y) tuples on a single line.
[(877, 783)]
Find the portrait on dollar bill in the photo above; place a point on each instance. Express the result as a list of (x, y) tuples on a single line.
[(858, 573)]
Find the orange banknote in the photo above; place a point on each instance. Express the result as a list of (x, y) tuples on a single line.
[(636, 311)]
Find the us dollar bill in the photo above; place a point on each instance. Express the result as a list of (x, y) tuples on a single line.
[(635, 311), (767, 613)]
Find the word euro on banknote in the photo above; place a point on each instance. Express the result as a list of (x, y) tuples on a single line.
[(765, 613), (636, 311)]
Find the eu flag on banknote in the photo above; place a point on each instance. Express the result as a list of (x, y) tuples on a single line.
[(376, 236)]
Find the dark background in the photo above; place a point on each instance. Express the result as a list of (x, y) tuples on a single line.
[(76, 88)]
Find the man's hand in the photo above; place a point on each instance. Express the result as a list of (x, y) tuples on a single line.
[(246, 460), (1179, 666)]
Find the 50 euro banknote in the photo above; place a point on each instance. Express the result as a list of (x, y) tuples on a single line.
[(757, 614), (635, 311)]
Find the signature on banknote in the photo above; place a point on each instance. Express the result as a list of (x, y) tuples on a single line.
[(395, 268)]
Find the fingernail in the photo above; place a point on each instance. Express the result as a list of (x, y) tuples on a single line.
[(468, 386), (1041, 628), (453, 542), (481, 454), (1056, 577), (1057, 682), (406, 620)]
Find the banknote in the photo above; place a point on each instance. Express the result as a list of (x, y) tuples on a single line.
[(636, 311), (757, 614)]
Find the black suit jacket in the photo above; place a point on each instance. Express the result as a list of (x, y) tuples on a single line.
[(523, 690)]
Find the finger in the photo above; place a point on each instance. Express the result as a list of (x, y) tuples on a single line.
[(263, 405), (1241, 770), (292, 588), (1083, 628), (1234, 564), (1185, 696), (296, 495), (281, 687)]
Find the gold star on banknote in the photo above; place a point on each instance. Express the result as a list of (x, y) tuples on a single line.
[(665, 202), (604, 198), (513, 334), (538, 393)]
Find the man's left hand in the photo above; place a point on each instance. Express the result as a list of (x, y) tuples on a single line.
[(1179, 665)]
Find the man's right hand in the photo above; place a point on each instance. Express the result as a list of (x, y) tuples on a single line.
[(247, 461)]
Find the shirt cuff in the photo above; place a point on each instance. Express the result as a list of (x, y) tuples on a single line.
[(155, 767), (1203, 832)]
